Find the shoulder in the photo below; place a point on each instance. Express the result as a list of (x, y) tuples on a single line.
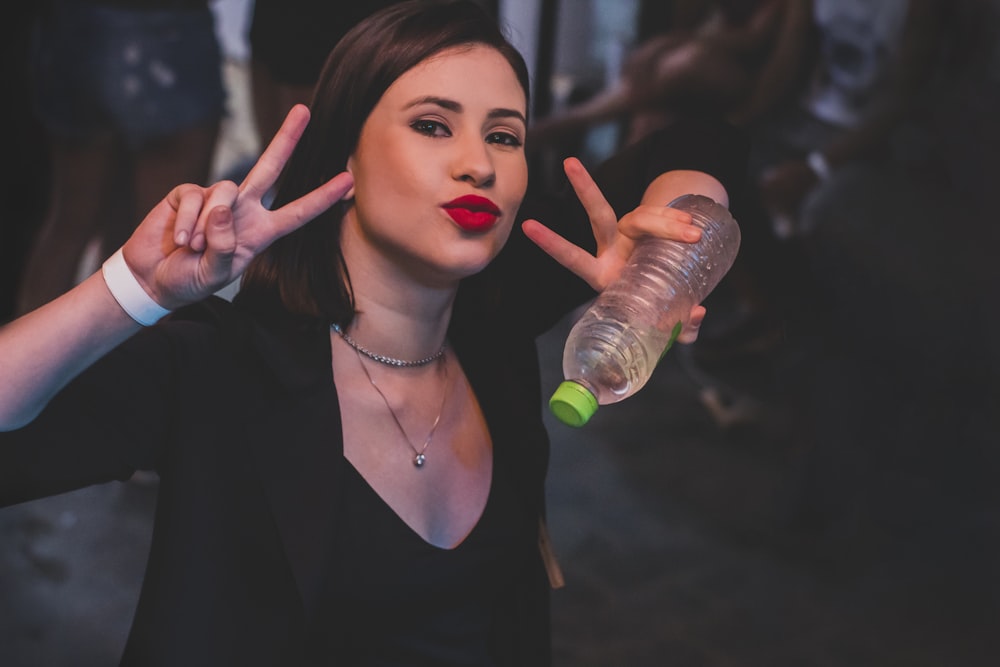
[(291, 351)]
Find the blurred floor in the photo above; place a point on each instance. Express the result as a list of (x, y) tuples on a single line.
[(686, 544)]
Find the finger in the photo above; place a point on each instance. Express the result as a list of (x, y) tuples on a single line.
[(296, 213), (220, 247), (689, 333), (574, 258), (187, 201), (603, 219), (660, 221), (222, 193), (270, 163)]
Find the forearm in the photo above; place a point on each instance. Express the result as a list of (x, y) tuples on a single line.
[(785, 68), (43, 350)]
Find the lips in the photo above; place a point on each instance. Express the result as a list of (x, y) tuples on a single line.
[(473, 213)]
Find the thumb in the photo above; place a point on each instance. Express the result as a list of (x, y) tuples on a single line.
[(689, 333), (220, 246)]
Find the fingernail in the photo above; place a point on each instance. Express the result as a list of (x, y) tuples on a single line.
[(181, 238), (692, 234)]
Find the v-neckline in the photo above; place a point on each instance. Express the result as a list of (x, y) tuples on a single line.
[(413, 529), (368, 488)]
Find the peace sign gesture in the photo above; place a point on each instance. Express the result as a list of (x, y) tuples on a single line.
[(195, 241), (199, 239), (616, 238)]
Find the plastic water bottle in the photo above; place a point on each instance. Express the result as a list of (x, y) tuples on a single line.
[(612, 350)]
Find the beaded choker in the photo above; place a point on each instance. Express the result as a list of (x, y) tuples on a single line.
[(381, 358)]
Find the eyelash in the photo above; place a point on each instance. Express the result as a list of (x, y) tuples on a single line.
[(430, 128), (508, 139)]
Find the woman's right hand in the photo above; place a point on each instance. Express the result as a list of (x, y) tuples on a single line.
[(199, 239), (192, 243)]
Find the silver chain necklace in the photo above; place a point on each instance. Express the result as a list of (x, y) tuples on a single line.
[(419, 458), (381, 358)]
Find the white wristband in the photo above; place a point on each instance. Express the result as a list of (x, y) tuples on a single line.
[(129, 293), (818, 163)]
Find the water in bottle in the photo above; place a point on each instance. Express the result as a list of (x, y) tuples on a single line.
[(612, 350)]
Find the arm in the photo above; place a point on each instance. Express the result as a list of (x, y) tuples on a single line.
[(785, 186), (43, 350), (194, 242), (785, 66), (756, 29)]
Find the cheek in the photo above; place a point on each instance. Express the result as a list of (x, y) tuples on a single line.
[(402, 174), (383, 168), (385, 187), (516, 182)]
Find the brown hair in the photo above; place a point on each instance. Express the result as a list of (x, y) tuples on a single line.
[(304, 273)]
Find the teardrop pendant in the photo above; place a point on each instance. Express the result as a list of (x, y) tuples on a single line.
[(418, 455)]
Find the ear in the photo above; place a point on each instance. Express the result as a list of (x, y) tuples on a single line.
[(349, 169)]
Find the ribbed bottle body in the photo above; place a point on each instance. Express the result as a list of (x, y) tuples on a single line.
[(614, 347)]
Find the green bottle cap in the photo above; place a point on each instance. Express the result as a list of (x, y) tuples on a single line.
[(573, 404)]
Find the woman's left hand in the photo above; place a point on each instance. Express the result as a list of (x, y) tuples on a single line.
[(616, 238)]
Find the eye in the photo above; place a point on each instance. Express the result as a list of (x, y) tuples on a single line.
[(430, 128), (508, 139)]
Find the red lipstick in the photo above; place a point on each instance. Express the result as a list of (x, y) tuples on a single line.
[(473, 213)]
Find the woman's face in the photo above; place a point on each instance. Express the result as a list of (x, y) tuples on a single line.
[(440, 169)]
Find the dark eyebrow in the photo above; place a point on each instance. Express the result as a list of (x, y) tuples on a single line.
[(452, 105), (508, 113)]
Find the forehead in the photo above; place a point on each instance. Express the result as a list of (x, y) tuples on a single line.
[(471, 74)]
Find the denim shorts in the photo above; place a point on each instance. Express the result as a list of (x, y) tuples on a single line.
[(141, 74)]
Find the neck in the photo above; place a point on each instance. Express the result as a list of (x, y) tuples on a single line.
[(404, 333), (400, 312)]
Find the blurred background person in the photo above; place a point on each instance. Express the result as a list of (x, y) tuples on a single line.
[(873, 62), (842, 117), (131, 97), (708, 60), (289, 42), (26, 178)]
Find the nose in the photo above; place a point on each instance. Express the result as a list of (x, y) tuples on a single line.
[(473, 162)]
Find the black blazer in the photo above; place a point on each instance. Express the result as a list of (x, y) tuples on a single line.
[(240, 419)]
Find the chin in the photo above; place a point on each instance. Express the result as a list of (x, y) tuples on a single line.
[(470, 268), (469, 256), (475, 262)]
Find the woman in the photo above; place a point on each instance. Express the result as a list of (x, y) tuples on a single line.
[(386, 512)]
